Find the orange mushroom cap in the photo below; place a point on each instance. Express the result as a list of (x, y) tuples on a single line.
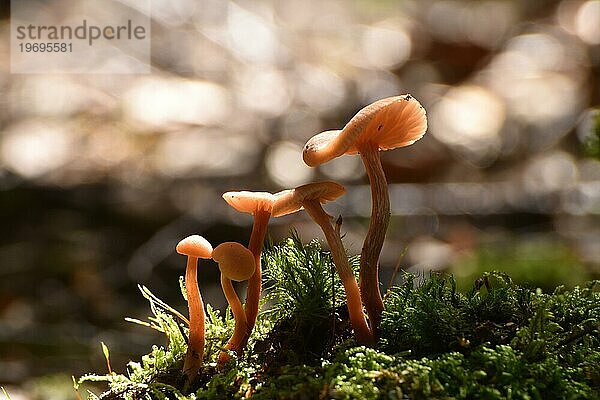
[(387, 123), (250, 202), (235, 261), (195, 246), (290, 201)]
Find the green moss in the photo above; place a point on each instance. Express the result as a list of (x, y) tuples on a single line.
[(496, 340), (307, 306), (433, 317), (592, 143)]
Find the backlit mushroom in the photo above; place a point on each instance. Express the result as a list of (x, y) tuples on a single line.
[(383, 125), (194, 247), (236, 263), (259, 204), (310, 197)]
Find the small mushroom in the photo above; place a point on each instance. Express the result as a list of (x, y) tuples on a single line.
[(236, 263), (383, 125), (310, 197), (259, 204), (194, 247)]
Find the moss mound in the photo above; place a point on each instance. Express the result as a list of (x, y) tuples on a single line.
[(497, 340)]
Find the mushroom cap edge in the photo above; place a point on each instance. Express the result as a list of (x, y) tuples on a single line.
[(235, 261), (402, 110), (289, 201), (195, 246), (249, 202)]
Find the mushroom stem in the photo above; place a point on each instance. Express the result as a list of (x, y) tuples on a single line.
[(257, 238), (195, 350), (239, 332), (357, 318), (380, 218)]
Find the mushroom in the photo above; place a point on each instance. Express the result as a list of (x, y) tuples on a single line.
[(310, 197), (383, 125), (236, 263), (259, 204), (194, 247)]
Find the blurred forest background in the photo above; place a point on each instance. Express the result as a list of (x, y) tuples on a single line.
[(101, 175)]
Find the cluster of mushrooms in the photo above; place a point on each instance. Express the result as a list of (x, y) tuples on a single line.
[(383, 125)]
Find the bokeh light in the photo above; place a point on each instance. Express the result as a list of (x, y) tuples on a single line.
[(284, 166), (32, 148), (469, 118), (586, 22)]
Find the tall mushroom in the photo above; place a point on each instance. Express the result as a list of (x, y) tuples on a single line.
[(310, 197), (194, 247), (259, 204), (236, 263), (383, 125)]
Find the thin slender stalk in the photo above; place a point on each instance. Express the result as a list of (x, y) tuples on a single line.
[(369, 256), (257, 238), (235, 343), (195, 350), (357, 318)]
